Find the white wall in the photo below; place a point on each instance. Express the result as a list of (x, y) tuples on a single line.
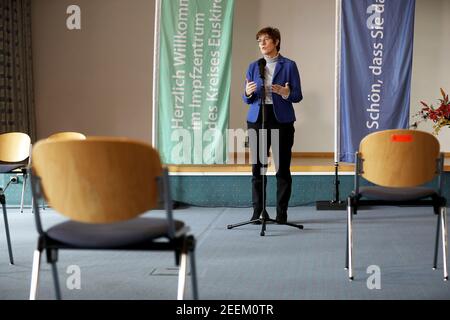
[(431, 64), (307, 37), (99, 80)]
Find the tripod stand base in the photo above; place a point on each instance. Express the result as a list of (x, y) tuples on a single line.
[(331, 205), (256, 221), (263, 222)]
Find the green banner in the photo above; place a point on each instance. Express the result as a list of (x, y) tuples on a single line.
[(194, 80)]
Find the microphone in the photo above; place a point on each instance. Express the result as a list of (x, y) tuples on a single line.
[(262, 64)]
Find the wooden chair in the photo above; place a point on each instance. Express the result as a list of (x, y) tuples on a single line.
[(67, 135), (14, 158), (90, 182), (399, 163), (63, 135)]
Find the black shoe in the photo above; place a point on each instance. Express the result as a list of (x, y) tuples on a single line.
[(255, 215), (281, 217)]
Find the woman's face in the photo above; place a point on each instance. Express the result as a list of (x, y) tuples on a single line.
[(267, 45)]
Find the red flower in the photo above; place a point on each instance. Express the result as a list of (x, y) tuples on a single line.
[(440, 116)]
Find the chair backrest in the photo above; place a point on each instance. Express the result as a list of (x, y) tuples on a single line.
[(14, 146), (67, 135), (98, 180), (399, 157)]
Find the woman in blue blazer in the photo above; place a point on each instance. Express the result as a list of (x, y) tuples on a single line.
[(274, 80)]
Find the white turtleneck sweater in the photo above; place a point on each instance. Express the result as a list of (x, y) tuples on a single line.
[(269, 71), (271, 63)]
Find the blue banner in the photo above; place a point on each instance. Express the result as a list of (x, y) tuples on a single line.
[(375, 72)]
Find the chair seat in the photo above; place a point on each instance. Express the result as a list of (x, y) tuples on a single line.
[(111, 235), (8, 167), (396, 194)]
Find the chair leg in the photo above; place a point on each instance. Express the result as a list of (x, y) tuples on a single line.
[(193, 269), (52, 258), (346, 249), (23, 192), (35, 274), (182, 276), (8, 238), (436, 243), (32, 205), (444, 240), (56, 281), (350, 238)]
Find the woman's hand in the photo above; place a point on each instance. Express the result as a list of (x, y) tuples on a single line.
[(282, 91), (250, 87)]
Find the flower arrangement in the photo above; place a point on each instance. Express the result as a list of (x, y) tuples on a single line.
[(439, 115)]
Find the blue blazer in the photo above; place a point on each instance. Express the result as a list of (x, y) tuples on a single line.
[(285, 71)]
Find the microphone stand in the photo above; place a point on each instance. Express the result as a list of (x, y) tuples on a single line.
[(265, 158)]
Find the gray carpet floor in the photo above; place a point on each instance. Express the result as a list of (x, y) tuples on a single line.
[(286, 264)]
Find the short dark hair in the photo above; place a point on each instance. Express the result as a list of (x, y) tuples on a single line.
[(273, 34)]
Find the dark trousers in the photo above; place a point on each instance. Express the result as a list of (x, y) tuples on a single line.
[(279, 136)]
